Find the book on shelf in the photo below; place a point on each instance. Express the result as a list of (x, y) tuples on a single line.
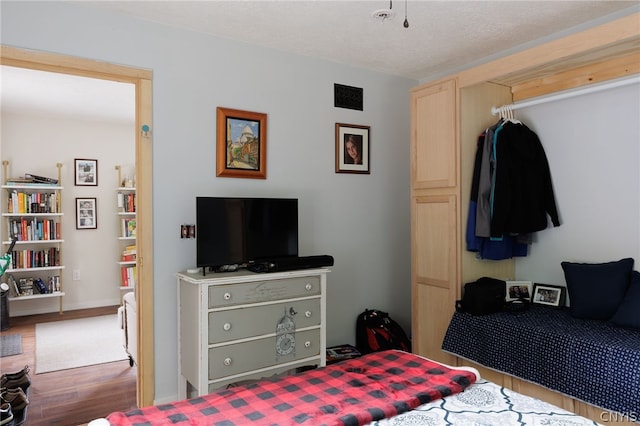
[(126, 202), (40, 179), (25, 286), (128, 227), (129, 253), (128, 274), (128, 256)]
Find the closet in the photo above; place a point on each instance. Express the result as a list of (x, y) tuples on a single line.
[(447, 116)]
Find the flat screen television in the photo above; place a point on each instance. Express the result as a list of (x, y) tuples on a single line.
[(236, 231)]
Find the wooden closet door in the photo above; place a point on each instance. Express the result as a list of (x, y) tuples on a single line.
[(434, 273), (433, 147), (434, 216)]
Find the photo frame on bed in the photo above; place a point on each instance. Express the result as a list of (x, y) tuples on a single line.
[(550, 295), (519, 290)]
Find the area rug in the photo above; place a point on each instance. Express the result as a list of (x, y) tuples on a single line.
[(10, 344), (61, 345)]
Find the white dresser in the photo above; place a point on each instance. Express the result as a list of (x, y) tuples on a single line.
[(235, 326)]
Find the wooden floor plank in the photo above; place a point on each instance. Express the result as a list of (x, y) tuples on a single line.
[(75, 396)]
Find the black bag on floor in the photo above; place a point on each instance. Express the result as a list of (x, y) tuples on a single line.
[(376, 331), (482, 297)]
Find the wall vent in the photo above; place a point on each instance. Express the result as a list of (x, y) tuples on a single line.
[(347, 97)]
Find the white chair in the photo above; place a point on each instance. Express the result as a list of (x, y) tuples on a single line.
[(128, 322)]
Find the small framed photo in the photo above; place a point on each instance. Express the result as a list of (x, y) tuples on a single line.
[(86, 172), (86, 217), (241, 145), (352, 148), (519, 290), (551, 295)]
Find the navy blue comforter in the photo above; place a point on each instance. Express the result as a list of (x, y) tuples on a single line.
[(592, 361)]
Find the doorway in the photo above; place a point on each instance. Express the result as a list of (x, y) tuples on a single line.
[(142, 79)]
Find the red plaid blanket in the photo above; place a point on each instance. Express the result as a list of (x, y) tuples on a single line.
[(352, 392)]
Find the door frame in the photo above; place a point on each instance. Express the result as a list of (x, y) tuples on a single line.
[(142, 79)]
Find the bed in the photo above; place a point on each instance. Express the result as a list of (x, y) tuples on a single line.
[(590, 360), (382, 388)]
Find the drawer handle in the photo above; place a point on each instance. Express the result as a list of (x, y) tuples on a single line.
[(307, 314), (227, 361), (226, 326), (307, 344), (227, 296), (308, 287)]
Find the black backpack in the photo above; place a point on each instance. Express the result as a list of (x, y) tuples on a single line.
[(376, 331), (482, 297)]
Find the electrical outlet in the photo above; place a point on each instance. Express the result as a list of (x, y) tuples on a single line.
[(76, 274)]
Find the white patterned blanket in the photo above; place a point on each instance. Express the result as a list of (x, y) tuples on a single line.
[(486, 404)]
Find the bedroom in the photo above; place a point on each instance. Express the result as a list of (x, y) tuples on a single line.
[(374, 266)]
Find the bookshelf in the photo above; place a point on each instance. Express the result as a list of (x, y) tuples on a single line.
[(126, 213), (32, 216)]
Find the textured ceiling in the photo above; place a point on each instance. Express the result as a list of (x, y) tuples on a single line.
[(442, 36)]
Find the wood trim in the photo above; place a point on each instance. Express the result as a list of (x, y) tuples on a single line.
[(577, 77), (63, 64), (144, 295), (142, 79), (618, 31)]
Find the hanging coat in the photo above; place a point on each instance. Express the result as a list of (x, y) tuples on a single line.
[(522, 192), (485, 247)]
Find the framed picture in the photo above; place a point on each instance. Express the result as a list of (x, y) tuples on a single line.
[(352, 148), (551, 295), (86, 172), (241, 149), (519, 290), (86, 217)]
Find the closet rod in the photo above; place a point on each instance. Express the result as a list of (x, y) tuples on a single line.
[(567, 94)]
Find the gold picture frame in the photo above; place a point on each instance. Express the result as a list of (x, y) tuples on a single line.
[(241, 149)]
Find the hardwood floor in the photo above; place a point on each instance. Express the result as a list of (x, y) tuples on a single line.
[(75, 396)]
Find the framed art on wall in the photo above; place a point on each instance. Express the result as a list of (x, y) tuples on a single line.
[(241, 145), (352, 148), (86, 217), (86, 172)]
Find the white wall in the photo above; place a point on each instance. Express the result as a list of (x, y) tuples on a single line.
[(592, 142), (34, 144), (361, 220)]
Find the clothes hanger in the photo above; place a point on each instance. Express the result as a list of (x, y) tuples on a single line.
[(511, 116)]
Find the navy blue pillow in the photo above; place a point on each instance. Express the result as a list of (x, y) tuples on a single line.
[(628, 314), (597, 289)]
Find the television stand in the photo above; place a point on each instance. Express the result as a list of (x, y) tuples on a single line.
[(245, 326)]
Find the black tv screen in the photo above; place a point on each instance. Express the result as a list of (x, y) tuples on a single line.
[(233, 231)]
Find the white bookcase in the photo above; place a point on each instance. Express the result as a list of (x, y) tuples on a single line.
[(127, 235), (32, 215)]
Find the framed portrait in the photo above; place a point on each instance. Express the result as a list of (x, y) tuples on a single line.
[(86, 217), (519, 290), (352, 148), (241, 146), (86, 172), (551, 295)]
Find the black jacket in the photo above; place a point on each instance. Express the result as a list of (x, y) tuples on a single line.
[(522, 192)]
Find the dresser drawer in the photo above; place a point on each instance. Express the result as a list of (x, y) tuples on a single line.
[(243, 357), (262, 291), (254, 321)]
